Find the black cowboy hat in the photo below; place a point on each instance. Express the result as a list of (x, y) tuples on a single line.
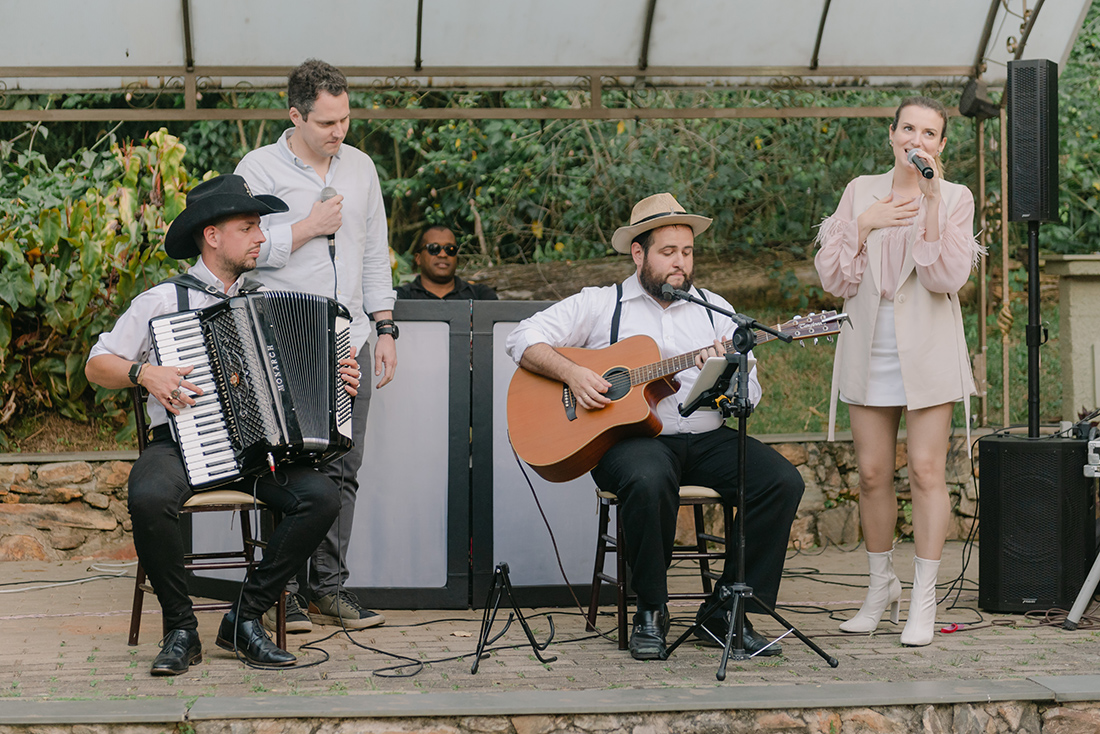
[(209, 201)]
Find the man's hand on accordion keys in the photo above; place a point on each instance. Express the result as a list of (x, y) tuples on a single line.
[(351, 374), (169, 386)]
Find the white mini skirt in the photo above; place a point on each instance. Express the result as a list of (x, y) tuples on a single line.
[(884, 384)]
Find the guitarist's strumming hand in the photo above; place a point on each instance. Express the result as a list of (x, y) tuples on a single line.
[(588, 388), (716, 351)]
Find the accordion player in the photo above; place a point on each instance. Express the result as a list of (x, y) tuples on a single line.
[(267, 363)]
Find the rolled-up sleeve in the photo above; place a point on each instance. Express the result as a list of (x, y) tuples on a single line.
[(564, 324)]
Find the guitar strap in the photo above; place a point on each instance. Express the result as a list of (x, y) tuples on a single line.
[(617, 316)]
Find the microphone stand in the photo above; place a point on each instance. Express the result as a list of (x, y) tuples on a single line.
[(732, 598)]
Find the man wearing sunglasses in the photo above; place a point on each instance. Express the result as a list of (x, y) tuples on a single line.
[(435, 256)]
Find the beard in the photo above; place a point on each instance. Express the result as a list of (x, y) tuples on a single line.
[(652, 282)]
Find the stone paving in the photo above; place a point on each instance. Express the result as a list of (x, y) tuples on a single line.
[(69, 642)]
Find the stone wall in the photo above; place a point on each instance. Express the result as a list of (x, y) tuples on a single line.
[(1007, 717), (76, 509), (63, 510), (829, 512)]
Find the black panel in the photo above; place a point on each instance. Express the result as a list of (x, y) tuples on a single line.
[(1032, 141), (1037, 523)]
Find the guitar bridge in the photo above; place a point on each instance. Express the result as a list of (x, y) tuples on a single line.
[(569, 401)]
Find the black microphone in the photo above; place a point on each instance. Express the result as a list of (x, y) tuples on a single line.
[(924, 168), (327, 193), (672, 293)]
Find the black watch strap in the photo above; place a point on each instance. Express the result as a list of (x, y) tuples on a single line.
[(387, 326), (135, 370)]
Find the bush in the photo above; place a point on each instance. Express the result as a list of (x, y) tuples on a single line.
[(77, 242)]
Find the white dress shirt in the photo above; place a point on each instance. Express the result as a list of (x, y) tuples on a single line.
[(360, 277), (584, 320), (130, 337)]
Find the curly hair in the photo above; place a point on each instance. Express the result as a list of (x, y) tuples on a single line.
[(308, 80)]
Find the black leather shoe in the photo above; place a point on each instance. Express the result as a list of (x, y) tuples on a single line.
[(719, 624), (647, 640), (252, 641), (179, 650)]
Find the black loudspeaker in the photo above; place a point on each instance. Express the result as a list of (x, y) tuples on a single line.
[(1032, 94), (1037, 532)]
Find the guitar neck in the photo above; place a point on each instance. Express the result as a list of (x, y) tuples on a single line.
[(672, 365)]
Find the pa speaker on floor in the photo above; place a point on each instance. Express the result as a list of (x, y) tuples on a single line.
[(1032, 93), (1037, 536)]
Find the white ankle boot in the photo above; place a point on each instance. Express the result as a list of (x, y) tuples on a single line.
[(884, 590), (922, 604)]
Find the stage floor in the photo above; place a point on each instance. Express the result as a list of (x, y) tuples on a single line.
[(69, 642)]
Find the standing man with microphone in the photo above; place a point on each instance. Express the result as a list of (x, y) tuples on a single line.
[(646, 473), (332, 242)]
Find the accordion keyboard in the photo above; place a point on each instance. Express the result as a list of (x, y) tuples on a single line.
[(201, 429)]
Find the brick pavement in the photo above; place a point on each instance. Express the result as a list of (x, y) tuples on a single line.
[(70, 643)]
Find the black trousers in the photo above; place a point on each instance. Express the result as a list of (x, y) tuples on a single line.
[(307, 500), (646, 474)]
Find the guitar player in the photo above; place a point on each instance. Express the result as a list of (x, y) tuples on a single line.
[(646, 473)]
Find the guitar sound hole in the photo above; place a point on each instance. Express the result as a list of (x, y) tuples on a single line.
[(619, 377)]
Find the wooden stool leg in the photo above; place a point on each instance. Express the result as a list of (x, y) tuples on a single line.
[(701, 547), (280, 620), (601, 554), (139, 598), (620, 580)]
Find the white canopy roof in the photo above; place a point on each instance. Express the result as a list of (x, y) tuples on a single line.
[(110, 45)]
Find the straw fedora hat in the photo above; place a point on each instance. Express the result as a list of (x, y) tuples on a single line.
[(659, 210), (210, 200)]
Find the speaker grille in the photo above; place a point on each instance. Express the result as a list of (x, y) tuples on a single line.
[(1033, 141), (1037, 528)]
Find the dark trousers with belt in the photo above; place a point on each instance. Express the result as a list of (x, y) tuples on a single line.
[(646, 475), (307, 500)]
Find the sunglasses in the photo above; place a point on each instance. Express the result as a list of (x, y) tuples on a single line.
[(435, 248)]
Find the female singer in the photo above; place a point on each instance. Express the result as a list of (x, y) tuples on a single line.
[(898, 249)]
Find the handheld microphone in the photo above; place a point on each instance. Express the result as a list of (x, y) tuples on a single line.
[(922, 166), (327, 193)]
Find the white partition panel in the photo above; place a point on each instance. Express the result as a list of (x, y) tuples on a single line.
[(399, 538), (520, 536)]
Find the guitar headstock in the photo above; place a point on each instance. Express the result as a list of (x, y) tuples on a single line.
[(814, 325)]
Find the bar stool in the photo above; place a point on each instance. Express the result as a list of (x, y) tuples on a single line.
[(695, 497), (215, 500)]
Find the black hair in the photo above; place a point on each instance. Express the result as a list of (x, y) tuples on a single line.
[(306, 81)]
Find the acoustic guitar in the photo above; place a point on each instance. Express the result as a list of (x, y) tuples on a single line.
[(560, 440)]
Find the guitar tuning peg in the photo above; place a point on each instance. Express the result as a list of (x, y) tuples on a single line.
[(829, 338), (797, 318), (802, 344), (815, 341)]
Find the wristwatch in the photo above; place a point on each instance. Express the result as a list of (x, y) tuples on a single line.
[(135, 371), (387, 326)]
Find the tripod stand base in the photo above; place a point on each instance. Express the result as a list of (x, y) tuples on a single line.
[(732, 599)]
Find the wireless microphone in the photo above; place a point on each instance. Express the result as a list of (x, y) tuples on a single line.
[(922, 166), (327, 193)]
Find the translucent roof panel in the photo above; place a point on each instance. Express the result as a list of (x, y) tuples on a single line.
[(108, 44)]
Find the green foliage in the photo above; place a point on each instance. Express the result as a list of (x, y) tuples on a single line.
[(78, 241)]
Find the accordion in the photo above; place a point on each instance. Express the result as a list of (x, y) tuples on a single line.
[(267, 363)]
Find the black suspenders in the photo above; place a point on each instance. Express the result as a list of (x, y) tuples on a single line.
[(617, 316)]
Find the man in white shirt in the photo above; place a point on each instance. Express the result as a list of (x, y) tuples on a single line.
[(646, 473), (221, 225), (331, 242)]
